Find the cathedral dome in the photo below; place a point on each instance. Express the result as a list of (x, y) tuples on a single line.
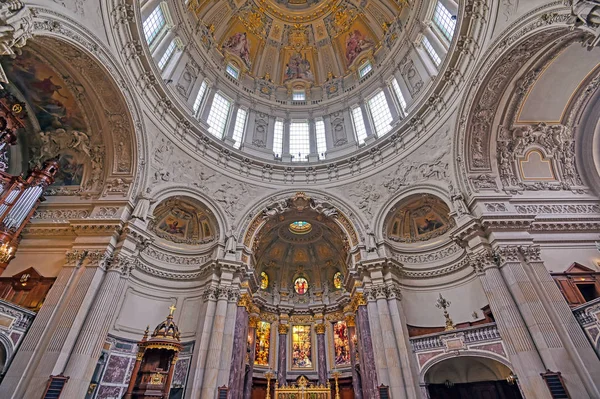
[(301, 81)]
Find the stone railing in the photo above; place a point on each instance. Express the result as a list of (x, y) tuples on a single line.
[(472, 335), (588, 317)]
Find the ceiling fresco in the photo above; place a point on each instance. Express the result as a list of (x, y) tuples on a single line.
[(307, 40), (419, 218)]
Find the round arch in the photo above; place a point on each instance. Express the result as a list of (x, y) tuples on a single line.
[(74, 36), (163, 192), (463, 354)]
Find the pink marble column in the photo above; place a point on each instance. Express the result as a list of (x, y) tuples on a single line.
[(321, 354), (238, 357), (252, 324), (356, 385), (282, 358), (368, 368)]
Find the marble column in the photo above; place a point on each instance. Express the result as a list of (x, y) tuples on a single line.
[(369, 371), (92, 336), (390, 349), (356, 383), (17, 378), (213, 359), (281, 355), (134, 373), (523, 355), (205, 325), (379, 353), (252, 324), (238, 357), (321, 353), (576, 343)]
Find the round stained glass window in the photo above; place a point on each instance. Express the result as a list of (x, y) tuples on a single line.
[(301, 286), (300, 227), (338, 280), (264, 281)]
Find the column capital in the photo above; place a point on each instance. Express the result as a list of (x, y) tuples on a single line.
[(358, 299), (482, 260), (320, 328), (507, 253), (350, 320), (253, 321), (283, 329), (531, 253)]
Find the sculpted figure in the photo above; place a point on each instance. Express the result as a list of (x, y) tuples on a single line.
[(231, 243)]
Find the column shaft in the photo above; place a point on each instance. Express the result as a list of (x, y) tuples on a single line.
[(356, 385), (368, 367), (390, 348), (322, 358), (251, 358), (521, 349), (92, 336), (238, 357), (281, 356), (213, 359), (365, 114), (205, 326), (227, 343)]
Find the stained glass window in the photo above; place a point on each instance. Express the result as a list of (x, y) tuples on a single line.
[(301, 285), (338, 280), (341, 344), (263, 341), (301, 347), (264, 281)]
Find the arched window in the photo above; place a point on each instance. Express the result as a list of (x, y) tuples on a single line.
[(154, 24)]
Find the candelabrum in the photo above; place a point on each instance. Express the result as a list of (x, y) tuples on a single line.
[(269, 376), (443, 303), (336, 375)]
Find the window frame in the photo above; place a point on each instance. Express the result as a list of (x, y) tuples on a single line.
[(372, 118), (302, 157), (227, 117)]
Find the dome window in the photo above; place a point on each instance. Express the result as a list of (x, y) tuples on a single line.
[(219, 114), (431, 51), (154, 24), (299, 95), (300, 227), (299, 140), (380, 113), (364, 69), (233, 71), (444, 21)]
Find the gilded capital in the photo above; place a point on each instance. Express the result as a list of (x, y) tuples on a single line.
[(246, 302), (351, 321), (283, 329), (253, 321), (320, 328), (358, 299)]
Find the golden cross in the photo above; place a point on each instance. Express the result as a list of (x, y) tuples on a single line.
[(172, 309)]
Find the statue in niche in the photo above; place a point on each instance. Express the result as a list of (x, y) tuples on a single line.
[(371, 244), (142, 207), (231, 242)]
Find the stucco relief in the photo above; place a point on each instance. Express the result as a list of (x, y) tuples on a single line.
[(429, 163)]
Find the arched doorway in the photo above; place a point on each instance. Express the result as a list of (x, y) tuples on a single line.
[(470, 377)]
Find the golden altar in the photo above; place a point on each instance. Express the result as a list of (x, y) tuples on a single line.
[(303, 390)]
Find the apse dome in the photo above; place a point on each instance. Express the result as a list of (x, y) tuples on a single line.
[(300, 81)]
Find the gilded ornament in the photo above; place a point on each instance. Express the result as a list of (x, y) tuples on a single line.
[(283, 329), (253, 321), (320, 328)]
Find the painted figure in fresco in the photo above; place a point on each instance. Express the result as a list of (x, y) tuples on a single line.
[(301, 286), (356, 43), (173, 227), (238, 45), (298, 68), (429, 225)]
